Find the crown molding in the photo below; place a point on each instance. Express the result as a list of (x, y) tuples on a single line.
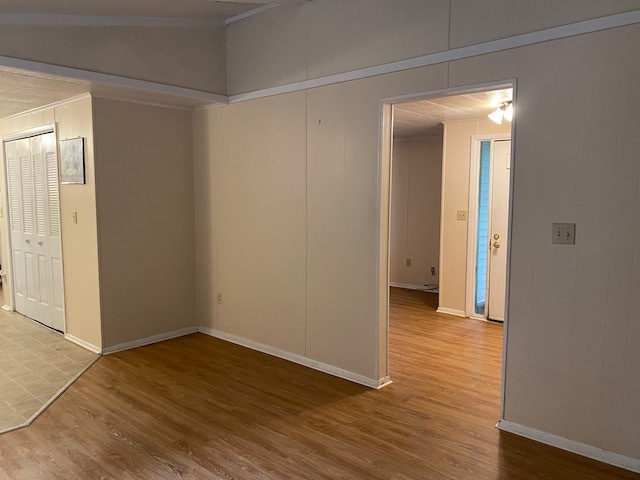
[(105, 21), (251, 13), (110, 80)]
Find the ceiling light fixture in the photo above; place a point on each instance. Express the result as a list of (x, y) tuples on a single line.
[(503, 111)]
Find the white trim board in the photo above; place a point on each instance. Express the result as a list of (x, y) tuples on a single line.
[(83, 344), (143, 102), (149, 340), (555, 33), (105, 21), (299, 359), (572, 446), (409, 286), (451, 311), (110, 80), (251, 13)]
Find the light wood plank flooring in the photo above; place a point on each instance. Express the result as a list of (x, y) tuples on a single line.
[(199, 408)]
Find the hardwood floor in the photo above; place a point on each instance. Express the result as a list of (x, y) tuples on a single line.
[(198, 408)]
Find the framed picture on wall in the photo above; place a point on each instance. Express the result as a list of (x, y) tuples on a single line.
[(72, 161)]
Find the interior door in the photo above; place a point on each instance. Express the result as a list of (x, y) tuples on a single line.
[(32, 172), (499, 226)]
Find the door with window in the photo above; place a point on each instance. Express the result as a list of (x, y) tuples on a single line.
[(34, 222), (491, 229), (499, 225)]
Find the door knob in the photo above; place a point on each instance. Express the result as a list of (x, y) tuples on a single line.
[(40, 243), (28, 241), (496, 244), (496, 236)]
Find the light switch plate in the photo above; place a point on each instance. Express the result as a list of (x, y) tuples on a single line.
[(564, 233), (462, 214)]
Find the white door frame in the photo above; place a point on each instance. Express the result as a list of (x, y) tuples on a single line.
[(7, 267), (472, 224), (385, 133)]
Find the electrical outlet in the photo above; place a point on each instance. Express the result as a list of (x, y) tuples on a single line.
[(433, 271), (462, 214), (564, 233), (219, 297), (408, 262)]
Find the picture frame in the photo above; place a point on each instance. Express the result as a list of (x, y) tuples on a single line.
[(72, 161)]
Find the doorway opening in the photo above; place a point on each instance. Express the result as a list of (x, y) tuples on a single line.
[(428, 144)]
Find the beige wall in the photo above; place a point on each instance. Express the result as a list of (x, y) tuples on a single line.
[(250, 208), (415, 210), (299, 42), (474, 22), (79, 241), (144, 158), (570, 361), (286, 196), (571, 365), (185, 57), (456, 163)]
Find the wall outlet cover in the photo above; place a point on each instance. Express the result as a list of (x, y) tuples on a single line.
[(564, 233)]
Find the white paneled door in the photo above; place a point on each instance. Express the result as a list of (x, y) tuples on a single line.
[(499, 225), (34, 220)]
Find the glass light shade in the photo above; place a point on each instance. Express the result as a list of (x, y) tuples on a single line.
[(497, 116), (508, 113)]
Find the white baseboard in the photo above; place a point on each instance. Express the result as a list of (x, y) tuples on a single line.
[(299, 359), (83, 344), (409, 286), (7, 308), (383, 382), (451, 311), (572, 446), (149, 340)]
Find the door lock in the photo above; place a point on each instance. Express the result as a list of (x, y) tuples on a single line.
[(496, 244), (496, 236)]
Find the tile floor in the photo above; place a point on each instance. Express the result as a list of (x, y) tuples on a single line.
[(35, 365)]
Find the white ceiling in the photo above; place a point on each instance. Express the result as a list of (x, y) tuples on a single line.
[(194, 9), (425, 117)]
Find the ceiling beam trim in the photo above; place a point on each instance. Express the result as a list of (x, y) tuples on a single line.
[(105, 21), (251, 13), (555, 33), (263, 8), (111, 80)]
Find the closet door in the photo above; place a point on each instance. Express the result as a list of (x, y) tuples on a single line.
[(35, 228), (15, 158)]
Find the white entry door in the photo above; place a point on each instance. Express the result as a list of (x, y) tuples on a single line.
[(499, 225), (34, 218)]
